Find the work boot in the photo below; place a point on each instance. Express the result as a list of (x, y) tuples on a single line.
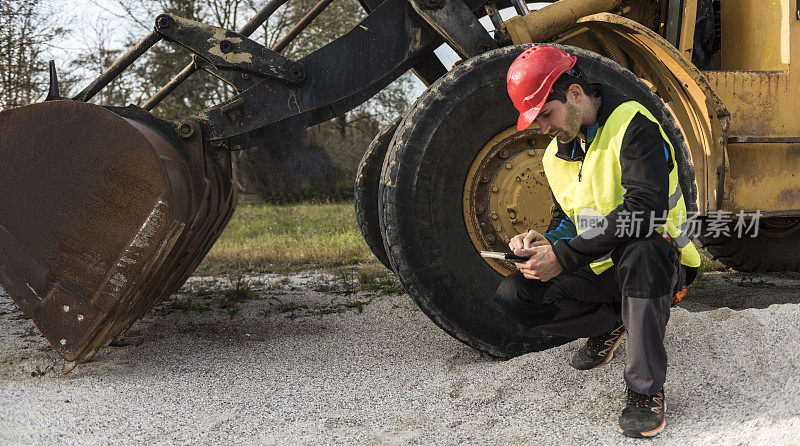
[(643, 415), (598, 349)]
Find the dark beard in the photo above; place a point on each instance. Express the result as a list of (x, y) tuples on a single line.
[(573, 124)]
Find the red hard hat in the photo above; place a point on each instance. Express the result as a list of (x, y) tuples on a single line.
[(530, 79)]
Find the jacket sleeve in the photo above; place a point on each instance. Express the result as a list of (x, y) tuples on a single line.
[(561, 227), (644, 161)]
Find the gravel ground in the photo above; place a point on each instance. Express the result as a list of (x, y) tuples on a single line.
[(305, 367)]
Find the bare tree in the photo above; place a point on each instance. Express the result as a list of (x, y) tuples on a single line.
[(27, 28), (98, 52), (165, 60)]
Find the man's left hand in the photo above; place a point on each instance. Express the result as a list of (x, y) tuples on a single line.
[(542, 265)]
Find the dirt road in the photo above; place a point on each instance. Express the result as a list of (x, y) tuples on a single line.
[(296, 366)]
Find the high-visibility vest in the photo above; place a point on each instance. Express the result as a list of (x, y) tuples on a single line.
[(600, 190)]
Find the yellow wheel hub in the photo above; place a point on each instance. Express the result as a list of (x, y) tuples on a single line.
[(506, 192)]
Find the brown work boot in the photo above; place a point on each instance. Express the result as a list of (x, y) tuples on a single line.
[(598, 349)]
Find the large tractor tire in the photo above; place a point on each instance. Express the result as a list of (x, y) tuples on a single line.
[(775, 248), (459, 178), (366, 191)]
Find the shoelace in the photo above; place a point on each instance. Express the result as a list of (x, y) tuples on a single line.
[(638, 399), (653, 402), (596, 344), (599, 343)]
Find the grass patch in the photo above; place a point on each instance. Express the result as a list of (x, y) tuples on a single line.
[(706, 265), (344, 281), (231, 298), (285, 306), (241, 290), (348, 280), (269, 238), (378, 280), (188, 304), (225, 295)]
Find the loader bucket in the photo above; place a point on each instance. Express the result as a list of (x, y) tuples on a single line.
[(103, 214)]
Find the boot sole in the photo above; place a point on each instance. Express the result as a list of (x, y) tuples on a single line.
[(646, 434)]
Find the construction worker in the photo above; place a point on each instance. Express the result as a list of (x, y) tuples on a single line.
[(613, 259)]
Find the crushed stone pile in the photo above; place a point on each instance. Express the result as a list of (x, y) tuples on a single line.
[(295, 366)]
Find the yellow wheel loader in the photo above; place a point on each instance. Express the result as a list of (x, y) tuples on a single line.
[(106, 211)]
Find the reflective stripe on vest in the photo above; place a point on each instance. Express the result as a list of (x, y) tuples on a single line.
[(600, 190)]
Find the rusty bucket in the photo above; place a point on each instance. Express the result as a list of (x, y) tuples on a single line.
[(104, 212)]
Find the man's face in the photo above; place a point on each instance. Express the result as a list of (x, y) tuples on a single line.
[(560, 119)]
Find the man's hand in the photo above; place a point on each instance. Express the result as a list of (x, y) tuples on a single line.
[(525, 241), (542, 265)]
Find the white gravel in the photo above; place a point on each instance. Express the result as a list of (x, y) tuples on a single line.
[(390, 376)]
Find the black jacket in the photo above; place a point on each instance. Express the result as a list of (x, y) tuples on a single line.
[(645, 164)]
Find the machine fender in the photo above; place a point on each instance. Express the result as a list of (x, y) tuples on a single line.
[(700, 113)]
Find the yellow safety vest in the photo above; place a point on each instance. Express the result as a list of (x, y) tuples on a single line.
[(601, 191)]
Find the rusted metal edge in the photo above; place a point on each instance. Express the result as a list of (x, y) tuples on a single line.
[(555, 19), (764, 139), (612, 19), (706, 114)]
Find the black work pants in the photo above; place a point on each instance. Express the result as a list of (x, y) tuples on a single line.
[(638, 289)]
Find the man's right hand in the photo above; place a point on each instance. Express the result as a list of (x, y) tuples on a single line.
[(525, 241)]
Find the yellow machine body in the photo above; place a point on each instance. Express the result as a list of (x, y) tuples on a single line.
[(739, 119)]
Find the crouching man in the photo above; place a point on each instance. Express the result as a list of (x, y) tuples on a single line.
[(613, 259)]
